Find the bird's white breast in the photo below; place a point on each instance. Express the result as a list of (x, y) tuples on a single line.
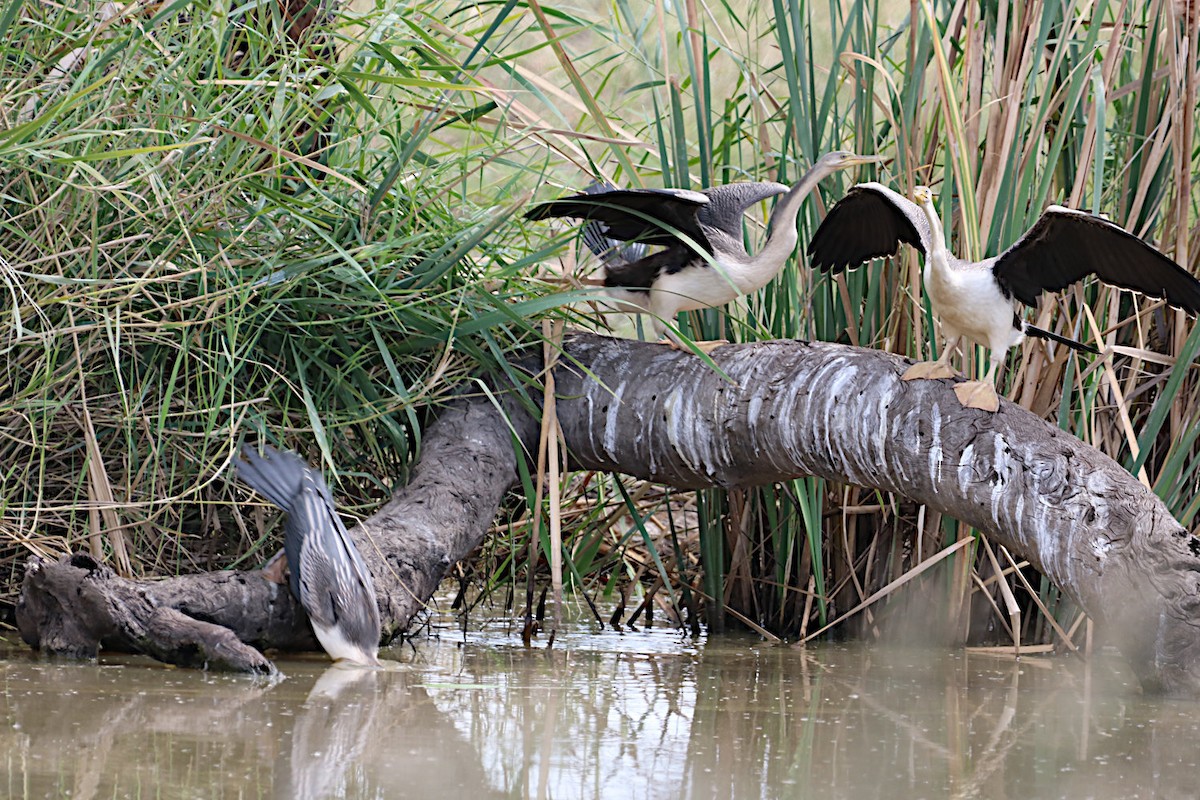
[(339, 648), (704, 285), (968, 301)]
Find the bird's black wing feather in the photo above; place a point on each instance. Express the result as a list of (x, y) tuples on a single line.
[(871, 221), (1064, 246), (640, 274), (278, 477), (652, 216)]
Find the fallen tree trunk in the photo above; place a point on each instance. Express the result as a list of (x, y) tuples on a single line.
[(794, 408)]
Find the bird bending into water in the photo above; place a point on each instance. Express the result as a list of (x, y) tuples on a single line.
[(327, 574), (703, 262), (976, 299)]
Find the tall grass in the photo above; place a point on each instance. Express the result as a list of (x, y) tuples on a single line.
[(212, 231)]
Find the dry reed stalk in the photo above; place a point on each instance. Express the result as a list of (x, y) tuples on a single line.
[(1010, 602), (892, 586), (1114, 386), (1033, 595), (550, 439)]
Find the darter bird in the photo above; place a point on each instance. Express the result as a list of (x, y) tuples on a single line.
[(327, 574), (976, 299), (703, 262)]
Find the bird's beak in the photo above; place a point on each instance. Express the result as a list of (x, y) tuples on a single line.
[(855, 160)]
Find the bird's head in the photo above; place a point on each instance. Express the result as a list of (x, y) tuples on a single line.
[(844, 159), (923, 195)]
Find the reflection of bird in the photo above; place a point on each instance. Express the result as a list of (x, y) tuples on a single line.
[(327, 573), (975, 299), (703, 262), (332, 733)]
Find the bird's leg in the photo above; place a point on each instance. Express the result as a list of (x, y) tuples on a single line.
[(276, 569), (934, 369), (982, 394), (661, 312), (675, 343)]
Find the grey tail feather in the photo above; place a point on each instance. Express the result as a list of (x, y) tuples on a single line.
[(610, 251), (275, 475), (593, 236), (1031, 330)]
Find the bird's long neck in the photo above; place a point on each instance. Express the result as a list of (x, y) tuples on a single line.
[(781, 234), (938, 257), (937, 235)]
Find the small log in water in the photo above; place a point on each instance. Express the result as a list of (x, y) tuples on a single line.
[(787, 409), (73, 607)]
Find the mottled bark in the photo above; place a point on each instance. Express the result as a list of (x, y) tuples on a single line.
[(74, 606), (784, 409), (467, 464)]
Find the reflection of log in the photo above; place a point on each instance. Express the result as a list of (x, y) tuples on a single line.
[(795, 408)]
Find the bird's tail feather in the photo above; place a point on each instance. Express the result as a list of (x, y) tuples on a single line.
[(275, 475), (282, 477), (612, 252), (1032, 330)]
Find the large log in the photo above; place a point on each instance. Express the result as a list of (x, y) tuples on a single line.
[(777, 410), (797, 408)]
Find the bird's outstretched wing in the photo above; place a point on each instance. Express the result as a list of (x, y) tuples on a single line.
[(1066, 245), (651, 216), (871, 221)]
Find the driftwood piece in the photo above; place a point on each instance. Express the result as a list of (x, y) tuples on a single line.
[(75, 605), (788, 409)]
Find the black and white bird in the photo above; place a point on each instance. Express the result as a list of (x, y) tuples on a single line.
[(702, 262), (327, 574), (976, 299)]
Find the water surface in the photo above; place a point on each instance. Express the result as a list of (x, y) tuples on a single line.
[(643, 714)]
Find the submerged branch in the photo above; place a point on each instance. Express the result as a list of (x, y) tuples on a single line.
[(784, 410)]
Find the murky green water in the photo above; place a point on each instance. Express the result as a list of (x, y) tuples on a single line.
[(641, 714)]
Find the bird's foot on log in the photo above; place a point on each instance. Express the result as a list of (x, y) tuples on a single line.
[(978, 394), (704, 347), (928, 370)]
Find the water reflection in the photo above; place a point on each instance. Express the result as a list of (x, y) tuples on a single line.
[(644, 714)]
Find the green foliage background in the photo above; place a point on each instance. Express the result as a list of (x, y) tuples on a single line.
[(219, 226)]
